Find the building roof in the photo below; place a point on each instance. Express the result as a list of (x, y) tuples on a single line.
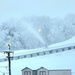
[(42, 68), (26, 68), (46, 69)]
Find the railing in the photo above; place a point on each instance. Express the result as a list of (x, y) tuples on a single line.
[(40, 53)]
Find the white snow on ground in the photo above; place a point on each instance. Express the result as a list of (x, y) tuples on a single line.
[(62, 60)]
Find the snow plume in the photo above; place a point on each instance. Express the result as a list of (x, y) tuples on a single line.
[(24, 26)]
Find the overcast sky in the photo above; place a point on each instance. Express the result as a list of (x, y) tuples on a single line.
[(19, 8)]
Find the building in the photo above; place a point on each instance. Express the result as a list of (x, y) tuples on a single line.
[(44, 71)]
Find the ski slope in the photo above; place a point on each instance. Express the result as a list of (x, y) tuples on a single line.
[(62, 60)]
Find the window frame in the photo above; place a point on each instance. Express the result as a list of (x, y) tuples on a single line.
[(42, 72), (27, 72)]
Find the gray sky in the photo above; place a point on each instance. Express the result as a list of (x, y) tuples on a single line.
[(19, 8)]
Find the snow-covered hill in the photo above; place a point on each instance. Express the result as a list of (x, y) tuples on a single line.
[(63, 60), (37, 31)]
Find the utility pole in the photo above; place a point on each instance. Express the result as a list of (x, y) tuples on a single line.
[(9, 58)]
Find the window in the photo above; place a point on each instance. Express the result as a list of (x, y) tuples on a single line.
[(69, 48), (42, 73), (74, 47), (63, 49), (27, 73), (50, 51), (37, 54)]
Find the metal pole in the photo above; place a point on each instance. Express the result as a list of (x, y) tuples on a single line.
[(9, 63), (9, 58)]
